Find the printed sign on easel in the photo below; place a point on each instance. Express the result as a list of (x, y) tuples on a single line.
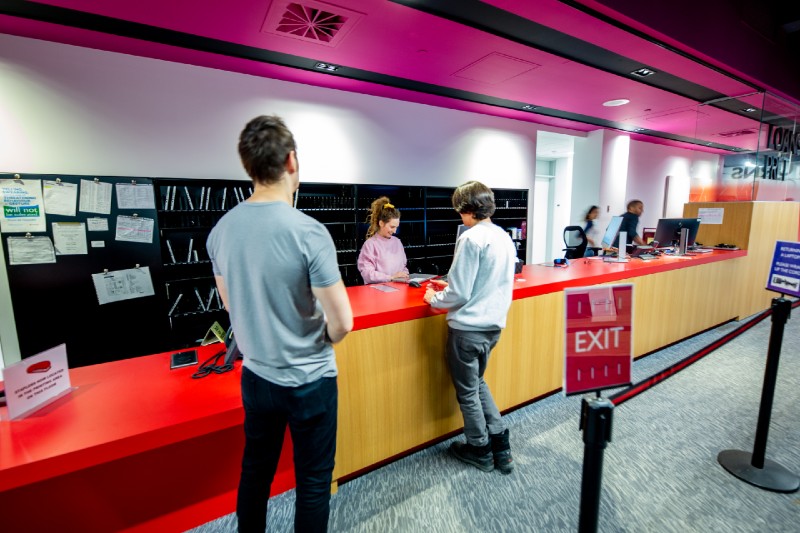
[(36, 381), (784, 273), (598, 340)]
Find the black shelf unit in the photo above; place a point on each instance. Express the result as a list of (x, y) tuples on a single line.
[(428, 227), (187, 210)]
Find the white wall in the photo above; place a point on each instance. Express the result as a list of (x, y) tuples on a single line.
[(615, 147), (586, 163), (648, 168), (561, 209), (79, 111)]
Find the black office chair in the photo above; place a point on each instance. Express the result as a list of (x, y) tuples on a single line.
[(576, 243)]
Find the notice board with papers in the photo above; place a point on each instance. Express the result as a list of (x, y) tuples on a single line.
[(83, 259)]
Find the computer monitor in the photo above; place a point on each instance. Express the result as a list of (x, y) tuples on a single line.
[(461, 229), (611, 232), (668, 231)]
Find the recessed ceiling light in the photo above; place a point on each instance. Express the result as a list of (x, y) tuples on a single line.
[(528, 107), (615, 103), (750, 110), (643, 72), (326, 66)]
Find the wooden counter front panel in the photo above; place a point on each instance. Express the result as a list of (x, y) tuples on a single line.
[(528, 360), (673, 305), (394, 392), (754, 226)]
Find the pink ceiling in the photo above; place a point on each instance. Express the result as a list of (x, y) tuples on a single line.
[(396, 40)]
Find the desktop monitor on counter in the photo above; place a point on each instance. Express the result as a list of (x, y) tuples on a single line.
[(611, 232), (668, 231)]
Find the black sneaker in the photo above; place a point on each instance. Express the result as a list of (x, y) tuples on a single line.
[(501, 449), (478, 456)]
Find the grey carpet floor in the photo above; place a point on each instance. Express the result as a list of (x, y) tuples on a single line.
[(660, 471)]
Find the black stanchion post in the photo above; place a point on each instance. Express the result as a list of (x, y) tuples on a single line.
[(753, 467), (596, 415)]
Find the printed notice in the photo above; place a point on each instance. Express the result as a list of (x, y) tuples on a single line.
[(60, 198), (98, 244), (97, 224), (30, 250), (711, 215), (69, 238), (784, 274), (36, 381), (132, 196), (134, 229), (123, 285), (22, 206), (95, 197)]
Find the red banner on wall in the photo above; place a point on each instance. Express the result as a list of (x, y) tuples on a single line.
[(598, 340)]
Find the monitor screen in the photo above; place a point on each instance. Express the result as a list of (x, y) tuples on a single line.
[(461, 229), (611, 232), (668, 231)]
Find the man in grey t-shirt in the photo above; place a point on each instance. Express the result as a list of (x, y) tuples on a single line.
[(277, 274)]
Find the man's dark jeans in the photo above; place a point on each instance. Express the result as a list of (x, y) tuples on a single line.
[(310, 410)]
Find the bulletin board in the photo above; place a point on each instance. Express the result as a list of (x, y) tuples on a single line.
[(100, 290)]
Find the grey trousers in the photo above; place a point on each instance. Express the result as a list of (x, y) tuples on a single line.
[(467, 355)]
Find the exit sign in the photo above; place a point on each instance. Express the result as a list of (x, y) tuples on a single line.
[(598, 341)]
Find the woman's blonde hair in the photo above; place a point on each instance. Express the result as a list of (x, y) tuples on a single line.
[(380, 211)]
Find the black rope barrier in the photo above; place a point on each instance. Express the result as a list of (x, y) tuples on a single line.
[(638, 388)]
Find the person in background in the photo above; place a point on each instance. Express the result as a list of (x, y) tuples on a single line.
[(477, 297), (277, 275), (630, 221), (382, 257), (591, 230)]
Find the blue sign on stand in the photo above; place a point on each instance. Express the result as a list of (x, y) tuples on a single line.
[(784, 274)]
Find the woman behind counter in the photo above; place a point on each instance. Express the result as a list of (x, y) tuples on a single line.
[(382, 257)]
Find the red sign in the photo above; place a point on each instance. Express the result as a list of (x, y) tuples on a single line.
[(599, 337)]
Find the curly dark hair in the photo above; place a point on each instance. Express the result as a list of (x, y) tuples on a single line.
[(474, 198)]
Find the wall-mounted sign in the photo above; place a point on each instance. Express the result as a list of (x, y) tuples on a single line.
[(598, 337)]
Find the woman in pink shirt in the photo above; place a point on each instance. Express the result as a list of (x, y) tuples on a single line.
[(382, 257)]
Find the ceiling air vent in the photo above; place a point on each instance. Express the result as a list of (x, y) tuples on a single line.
[(310, 21), (737, 133)]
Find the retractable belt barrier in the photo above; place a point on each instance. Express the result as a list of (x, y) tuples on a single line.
[(638, 388)]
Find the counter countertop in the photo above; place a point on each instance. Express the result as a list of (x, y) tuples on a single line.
[(373, 308)]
